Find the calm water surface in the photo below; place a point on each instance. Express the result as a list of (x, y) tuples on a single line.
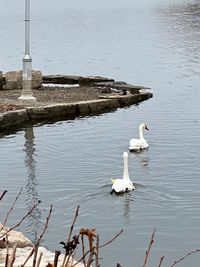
[(156, 44)]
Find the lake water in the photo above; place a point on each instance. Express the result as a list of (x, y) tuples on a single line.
[(150, 43)]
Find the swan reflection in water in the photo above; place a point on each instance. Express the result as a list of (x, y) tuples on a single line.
[(125, 204), (32, 196), (142, 156)]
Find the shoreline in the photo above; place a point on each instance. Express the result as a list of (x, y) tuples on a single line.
[(62, 97)]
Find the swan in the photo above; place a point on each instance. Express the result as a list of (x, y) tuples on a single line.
[(124, 184), (141, 143)]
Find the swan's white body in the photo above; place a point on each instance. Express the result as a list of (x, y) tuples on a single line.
[(141, 143), (124, 184)]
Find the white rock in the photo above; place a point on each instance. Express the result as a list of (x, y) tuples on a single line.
[(14, 237), (22, 254)]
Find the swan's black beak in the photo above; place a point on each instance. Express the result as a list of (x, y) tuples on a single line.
[(146, 128)]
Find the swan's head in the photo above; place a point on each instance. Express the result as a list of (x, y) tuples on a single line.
[(144, 126), (125, 155)]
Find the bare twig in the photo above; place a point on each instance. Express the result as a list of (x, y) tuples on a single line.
[(7, 251), (66, 259), (29, 256), (97, 251), (181, 259), (45, 226), (73, 223), (67, 256), (27, 214), (103, 245), (57, 254), (11, 209), (71, 256), (148, 250), (110, 241), (35, 248), (39, 259), (90, 259), (90, 233), (161, 260), (3, 194), (83, 249), (41, 236), (12, 257), (35, 255)]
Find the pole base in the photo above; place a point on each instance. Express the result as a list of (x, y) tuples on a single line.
[(27, 94), (27, 98)]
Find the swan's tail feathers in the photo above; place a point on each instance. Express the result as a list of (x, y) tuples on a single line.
[(112, 180)]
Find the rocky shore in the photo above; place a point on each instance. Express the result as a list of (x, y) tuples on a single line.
[(24, 248), (63, 97)]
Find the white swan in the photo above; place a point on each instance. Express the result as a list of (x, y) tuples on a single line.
[(125, 184), (141, 143)]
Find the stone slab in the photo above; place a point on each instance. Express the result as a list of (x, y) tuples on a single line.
[(61, 79), (57, 112), (13, 118), (13, 80)]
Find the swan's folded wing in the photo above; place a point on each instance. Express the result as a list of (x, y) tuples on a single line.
[(137, 144), (118, 186), (134, 144)]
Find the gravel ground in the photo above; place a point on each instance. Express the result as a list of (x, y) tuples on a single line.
[(45, 96)]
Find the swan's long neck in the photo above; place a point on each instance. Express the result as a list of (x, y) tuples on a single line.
[(141, 136), (126, 174)]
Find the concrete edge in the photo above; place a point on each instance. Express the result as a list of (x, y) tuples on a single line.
[(56, 112)]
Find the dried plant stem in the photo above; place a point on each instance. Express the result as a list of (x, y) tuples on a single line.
[(45, 226), (11, 209), (90, 259), (65, 262), (12, 257), (39, 259), (73, 223), (29, 256), (35, 256), (7, 251), (161, 260), (27, 214), (3, 194), (67, 258), (83, 249), (110, 241), (148, 250), (181, 259), (103, 245), (41, 236), (57, 254), (35, 248), (71, 256), (97, 251)]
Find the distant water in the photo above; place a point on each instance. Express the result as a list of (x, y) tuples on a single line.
[(151, 43)]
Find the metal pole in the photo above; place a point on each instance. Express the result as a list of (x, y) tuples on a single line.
[(27, 93)]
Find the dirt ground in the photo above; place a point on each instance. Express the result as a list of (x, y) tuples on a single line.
[(9, 98)]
